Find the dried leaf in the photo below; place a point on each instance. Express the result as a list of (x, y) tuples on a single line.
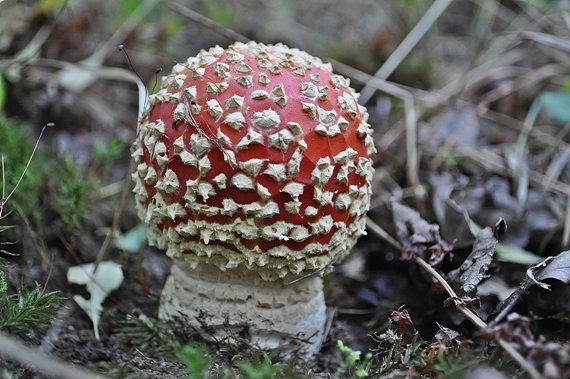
[(550, 358), (446, 337), (466, 278), (453, 219), (440, 250), (418, 236), (551, 268), (557, 268), (496, 286), (410, 226), (404, 326), (469, 302)]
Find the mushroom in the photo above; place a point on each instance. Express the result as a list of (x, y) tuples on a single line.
[(253, 172)]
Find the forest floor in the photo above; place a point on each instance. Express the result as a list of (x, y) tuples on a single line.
[(471, 188)]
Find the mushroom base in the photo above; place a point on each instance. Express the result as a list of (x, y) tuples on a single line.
[(238, 307)]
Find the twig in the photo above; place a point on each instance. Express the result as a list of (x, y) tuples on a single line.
[(427, 20), (201, 19), (10, 348), (566, 229), (376, 229), (3, 184), (111, 73), (470, 315)]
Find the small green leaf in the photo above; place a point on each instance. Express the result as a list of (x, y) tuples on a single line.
[(195, 358), (133, 240), (507, 252), (46, 7), (557, 104), (566, 84), (129, 6), (100, 284)]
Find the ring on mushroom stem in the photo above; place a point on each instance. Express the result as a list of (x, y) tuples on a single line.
[(263, 178)]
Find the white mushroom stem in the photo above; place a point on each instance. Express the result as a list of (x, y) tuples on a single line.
[(239, 307)]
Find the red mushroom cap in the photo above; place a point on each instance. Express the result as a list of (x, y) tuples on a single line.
[(256, 155)]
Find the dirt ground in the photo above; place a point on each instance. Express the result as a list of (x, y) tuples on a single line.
[(460, 136)]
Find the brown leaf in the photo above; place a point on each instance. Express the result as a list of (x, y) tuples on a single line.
[(447, 337), (474, 269), (404, 326), (440, 250), (557, 268), (550, 358), (418, 236)]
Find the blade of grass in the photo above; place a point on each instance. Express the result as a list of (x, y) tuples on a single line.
[(4, 200)]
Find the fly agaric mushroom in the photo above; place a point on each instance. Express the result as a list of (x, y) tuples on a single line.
[(253, 173)]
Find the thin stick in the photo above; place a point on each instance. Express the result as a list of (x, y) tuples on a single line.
[(376, 229), (10, 348), (427, 20), (124, 50), (471, 316), (566, 230), (226, 32)]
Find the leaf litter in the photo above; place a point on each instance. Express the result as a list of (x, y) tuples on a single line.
[(549, 359)]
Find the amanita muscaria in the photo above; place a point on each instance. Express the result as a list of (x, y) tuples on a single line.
[(253, 173)]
